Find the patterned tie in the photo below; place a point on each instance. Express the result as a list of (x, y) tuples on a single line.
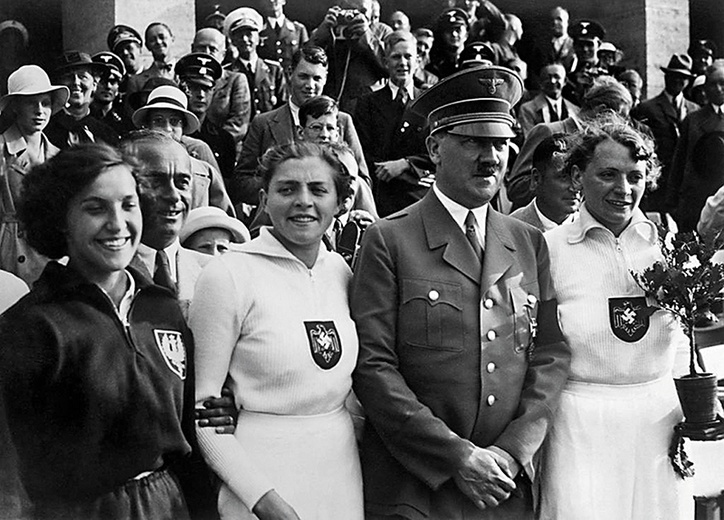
[(401, 97), (162, 275), (471, 233)]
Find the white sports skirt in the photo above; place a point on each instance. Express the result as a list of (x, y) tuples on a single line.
[(606, 456), (312, 461)]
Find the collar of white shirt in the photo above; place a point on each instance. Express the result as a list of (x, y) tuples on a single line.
[(394, 88), (252, 61), (548, 224), (277, 22), (295, 114), (148, 255), (459, 213), (718, 109)]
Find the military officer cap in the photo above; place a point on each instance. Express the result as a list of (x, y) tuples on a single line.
[(113, 62), (215, 19), (198, 67), (242, 17), (122, 33), (450, 18), (587, 30), (477, 53), (474, 102)]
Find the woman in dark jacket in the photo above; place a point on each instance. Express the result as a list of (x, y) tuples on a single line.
[(95, 378)]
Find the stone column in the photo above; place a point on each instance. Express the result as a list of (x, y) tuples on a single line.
[(86, 22)]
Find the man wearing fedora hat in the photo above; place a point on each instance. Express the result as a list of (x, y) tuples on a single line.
[(74, 124), (166, 111), (106, 105), (461, 360), (664, 114)]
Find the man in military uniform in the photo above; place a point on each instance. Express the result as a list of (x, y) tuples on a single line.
[(265, 77), (587, 36), (281, 37), (198, 72), (451, 32), (461, 359), (230, 106), (125, 42), (106, 104)]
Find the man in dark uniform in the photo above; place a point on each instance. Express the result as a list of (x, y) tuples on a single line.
[(125, 42), (461, 359), (198, 72), (106, 105), (587, 36), (281, 37), (75, 124), (451, 32), (265, 77)]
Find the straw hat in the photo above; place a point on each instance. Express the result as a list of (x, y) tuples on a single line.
[(171, 98), (30, 80), (212, 217)]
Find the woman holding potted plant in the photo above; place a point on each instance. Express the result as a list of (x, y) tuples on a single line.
[(606, 455)]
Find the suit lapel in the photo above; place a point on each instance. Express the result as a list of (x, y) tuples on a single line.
[(442, 231), (499, 251), (282, 126)]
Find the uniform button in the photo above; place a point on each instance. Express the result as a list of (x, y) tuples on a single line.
[(21, 259), (433, 295), (491, 335), (491, 400), (490, 368), (488, 303), (532, 299)]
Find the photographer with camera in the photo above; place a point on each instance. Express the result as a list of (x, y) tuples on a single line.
[(355, 49)]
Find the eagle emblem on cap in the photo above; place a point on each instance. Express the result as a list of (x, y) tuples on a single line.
[(203, 61), (491, 83), (105, 58)]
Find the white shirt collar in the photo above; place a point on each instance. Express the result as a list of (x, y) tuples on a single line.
[(717, 108), (549, 224), (148, 255), (394, 88), (459, 212), (274, 22), (295, 114)]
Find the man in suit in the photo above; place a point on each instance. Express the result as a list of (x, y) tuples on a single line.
[(694, 173), (548, 106), (159, 40), (280, 37), (393, 139), (556, 199), (664, 114), (265, 77), (461, 359), (230, 106), (307, 80)]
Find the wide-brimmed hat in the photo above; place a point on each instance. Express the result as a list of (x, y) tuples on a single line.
[(30, 80), (679, 64), (171, 98), (70, 60), (213, 217)]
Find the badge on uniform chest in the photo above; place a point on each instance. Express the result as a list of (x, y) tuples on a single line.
[(171, 345), (629, 317), (324, 343)]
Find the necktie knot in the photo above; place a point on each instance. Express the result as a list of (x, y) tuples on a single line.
[(401, 97), (471, 233), (162, 273)]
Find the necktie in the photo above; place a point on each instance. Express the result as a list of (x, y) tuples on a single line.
[(471, 233), (401, 97), (554, 112), (162, 274)]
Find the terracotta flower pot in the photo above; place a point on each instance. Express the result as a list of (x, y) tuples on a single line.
[(698, 395)]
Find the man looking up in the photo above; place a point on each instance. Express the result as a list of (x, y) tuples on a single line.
[(461, 359), (556, 200), (230, 106)]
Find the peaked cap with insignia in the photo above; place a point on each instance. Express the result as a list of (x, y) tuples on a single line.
[(587, 30), (120, 34), (199, 67), (114, 63), (474, 102)]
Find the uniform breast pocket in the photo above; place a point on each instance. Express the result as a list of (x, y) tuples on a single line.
[(525, 311), (431, 314)]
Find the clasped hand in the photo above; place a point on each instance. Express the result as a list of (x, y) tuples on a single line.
[(485, 478)]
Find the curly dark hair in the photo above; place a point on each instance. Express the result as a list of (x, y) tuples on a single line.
[(49, 187), (300, 150), (614, 127)]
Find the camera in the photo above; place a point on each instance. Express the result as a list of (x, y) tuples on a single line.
[(349, 241), (345, 17)]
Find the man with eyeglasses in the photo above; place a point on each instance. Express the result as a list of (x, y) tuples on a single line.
[(308, 77), (75, 124)]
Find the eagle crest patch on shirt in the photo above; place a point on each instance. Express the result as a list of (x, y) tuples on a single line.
[(324, 343), (171, 345), (629, 317)]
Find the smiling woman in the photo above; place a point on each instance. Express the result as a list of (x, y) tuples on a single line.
[(83, 355), (272, 319)]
